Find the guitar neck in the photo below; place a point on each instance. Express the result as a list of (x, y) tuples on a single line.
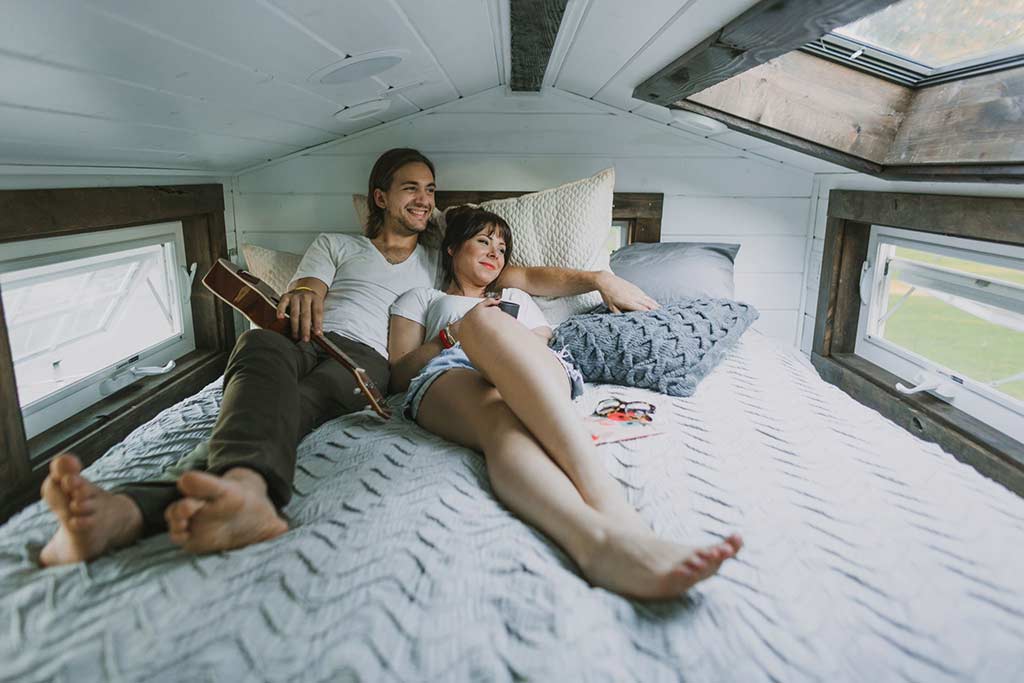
[(334, 352)]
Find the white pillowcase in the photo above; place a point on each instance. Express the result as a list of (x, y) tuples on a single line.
[(566, 226), (276, 268)]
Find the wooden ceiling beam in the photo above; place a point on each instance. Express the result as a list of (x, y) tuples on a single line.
[(768, 29), (534, 25)]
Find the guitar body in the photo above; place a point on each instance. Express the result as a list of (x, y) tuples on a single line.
[(258, 302)]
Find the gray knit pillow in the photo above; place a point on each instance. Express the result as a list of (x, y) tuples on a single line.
[(668, 350)]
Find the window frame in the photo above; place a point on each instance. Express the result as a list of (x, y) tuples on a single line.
[(40, 213), (903, 70), (850, 215), (968, 395), (71, 399)]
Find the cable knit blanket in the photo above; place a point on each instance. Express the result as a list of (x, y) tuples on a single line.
[(870, 556)]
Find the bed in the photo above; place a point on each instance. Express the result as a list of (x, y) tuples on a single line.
[(870, 555)]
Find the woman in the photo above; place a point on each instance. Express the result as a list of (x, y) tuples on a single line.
[(481, 378)]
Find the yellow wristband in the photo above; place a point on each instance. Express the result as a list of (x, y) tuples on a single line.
[(299, 289)]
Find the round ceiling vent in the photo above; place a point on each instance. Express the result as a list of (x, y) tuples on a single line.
[(363, 110), (357, 68)]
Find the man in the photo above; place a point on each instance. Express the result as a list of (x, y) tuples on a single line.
[(228, 492)]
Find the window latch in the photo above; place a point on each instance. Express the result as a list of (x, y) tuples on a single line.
[(151, 369), (865, 283), (187, 279), (929, 381)]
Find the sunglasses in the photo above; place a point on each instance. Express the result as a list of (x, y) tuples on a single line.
[(625, 411)]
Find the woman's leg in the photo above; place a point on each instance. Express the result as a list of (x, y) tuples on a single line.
[(534, 385), (463, 407)]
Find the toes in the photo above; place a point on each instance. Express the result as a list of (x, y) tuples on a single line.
[(195, 484), (65, 464), (82, 506), (179, 513), (53, 495)]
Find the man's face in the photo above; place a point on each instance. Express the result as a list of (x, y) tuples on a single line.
[(409, 201)]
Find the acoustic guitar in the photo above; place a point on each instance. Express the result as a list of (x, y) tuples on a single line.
[(257, 301)]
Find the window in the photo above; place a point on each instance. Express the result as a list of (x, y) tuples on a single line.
[(923, 42), (618, 236), (948, 314), (86, 315)]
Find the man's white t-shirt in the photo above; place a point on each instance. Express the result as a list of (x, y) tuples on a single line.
[(362, 284), (434, 309)]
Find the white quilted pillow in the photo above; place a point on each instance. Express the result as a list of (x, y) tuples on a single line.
[(276, 268), (566, 226)]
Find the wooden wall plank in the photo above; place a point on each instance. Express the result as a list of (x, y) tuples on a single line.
[(810, 98), (996, 219), (29, 214), (534, 25), (977, 120), (14, 458), (762, 33)]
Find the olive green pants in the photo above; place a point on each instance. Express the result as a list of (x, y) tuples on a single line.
[(275, 392)]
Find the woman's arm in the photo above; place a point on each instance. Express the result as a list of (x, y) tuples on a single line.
[(618, 294), (407, 351)]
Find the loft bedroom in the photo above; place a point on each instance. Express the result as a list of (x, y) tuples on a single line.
[(805, 463)]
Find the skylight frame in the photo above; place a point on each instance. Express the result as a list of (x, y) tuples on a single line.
[(903, 70)]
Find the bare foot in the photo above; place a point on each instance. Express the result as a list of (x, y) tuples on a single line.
[(92, 521), (647, 567), (223, 513)]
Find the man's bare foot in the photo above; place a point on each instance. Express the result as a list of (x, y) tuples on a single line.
[(92, 521), (222, 513), (645, 566)]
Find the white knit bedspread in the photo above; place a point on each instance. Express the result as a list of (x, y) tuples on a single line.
[(870, 556)]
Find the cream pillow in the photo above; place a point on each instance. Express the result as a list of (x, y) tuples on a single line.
[(276, 268), (566, 226)]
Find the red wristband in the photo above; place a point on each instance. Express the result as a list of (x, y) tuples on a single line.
[(445, 341)]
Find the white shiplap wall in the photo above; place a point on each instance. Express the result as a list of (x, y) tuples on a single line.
[(825, 182), (496, 141)]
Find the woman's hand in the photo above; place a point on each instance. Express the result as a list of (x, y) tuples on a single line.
[(305, 309), (487, 302), (621, 295)]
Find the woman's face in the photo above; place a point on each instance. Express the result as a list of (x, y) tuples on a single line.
[(479, 259)]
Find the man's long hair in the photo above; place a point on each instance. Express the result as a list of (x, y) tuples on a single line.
[(381, 177)]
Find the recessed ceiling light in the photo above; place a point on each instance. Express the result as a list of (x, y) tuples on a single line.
[(697, 123), (363, 110), (357, 68)]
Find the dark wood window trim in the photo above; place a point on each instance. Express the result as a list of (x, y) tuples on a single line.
[(850, 217), (641, 210), (35, 214), (765, 31), (751, 77)]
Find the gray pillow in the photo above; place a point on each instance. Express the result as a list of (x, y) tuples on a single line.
[(668, 350), (673, 271)]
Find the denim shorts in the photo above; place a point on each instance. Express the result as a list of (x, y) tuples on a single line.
[(455, 357)]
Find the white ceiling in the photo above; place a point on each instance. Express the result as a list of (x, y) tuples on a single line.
[(222, 85)]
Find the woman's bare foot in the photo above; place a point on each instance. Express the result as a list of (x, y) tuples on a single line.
[(92, 521), (223, 513), (647, 567)]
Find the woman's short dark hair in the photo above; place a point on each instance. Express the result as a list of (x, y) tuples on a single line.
[(381, 177), (464, 223)]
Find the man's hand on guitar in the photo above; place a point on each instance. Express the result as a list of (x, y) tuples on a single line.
[(305, 309)]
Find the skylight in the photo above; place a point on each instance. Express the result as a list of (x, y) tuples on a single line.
[(921, 42)]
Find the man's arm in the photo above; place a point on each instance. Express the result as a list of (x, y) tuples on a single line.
[(618, 294), (304, 305)]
